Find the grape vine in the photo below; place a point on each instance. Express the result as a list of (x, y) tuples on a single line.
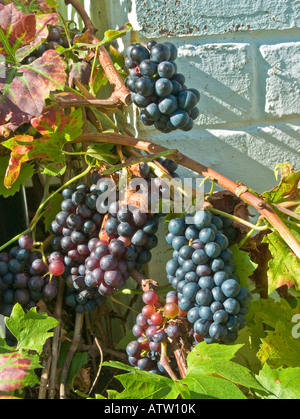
[(84, 258)]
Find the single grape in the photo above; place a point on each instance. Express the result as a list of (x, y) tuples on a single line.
[(166, 69), (26, 242), (22, 296), (201, 327), (49, 292), (117, 248), (173, 331), (218, 331), (206, 313), (177, 226), (221, 317), (148, 68), (230, 288), (232, 306), (160, 53), (134, 349), (39, 266), (163, 87), (144, 86), (150, 297), (139, 53), (190, 290), (113, 278), (206, 282), (204, 297), (156, 319), (187, 100), (212, 250), (108, 262), (180, 118)]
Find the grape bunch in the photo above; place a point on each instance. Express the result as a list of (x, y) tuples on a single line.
[(158, 89), (155, 325), (24, 277), (203, 273), (57, 37), (76, 228), (99, 250)]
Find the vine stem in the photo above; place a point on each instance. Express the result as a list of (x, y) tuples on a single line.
[(262, 206), (44, 203), (254, 227), (121, 94), (165, 362), (28, 231), (56, 338), (249, 234), (73, 349)]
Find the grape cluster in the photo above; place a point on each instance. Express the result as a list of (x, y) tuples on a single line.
[(159, 89), (203, 273), (57, 37), (76, 228), (24, 277), (98, 250), (154, 325)]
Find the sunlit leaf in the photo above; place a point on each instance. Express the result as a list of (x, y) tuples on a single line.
[(26, 89)]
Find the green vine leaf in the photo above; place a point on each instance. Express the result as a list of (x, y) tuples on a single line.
[(217, 359), (30, 329), (141, 384), (284, 267), (281, 383), (34, 5), (211, 374), (18, 364), (287, 190), (245, 267), (278, 345)]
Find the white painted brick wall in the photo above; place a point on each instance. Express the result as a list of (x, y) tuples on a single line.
[(244, 57), (283, 81)]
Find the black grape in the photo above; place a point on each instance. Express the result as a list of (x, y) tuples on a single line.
[(158, 89), (204, 275)]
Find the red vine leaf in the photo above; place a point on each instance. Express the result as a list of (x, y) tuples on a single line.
[(25, 148), (14, 369), (31, 85), (58, 124), (19, 155), (56, 128), (42, 32), (16, 28)]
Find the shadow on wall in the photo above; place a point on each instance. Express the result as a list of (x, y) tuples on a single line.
[(224, 74), (249, 157)]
